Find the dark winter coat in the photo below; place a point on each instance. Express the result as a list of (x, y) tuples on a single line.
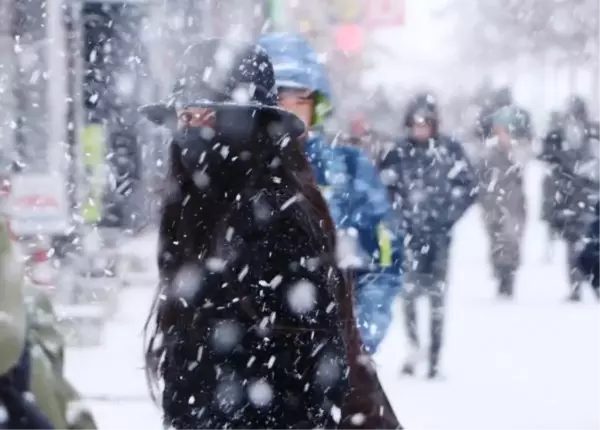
[(590, 256), (267, 348), (432, 184), (255, 321), (571, 188), (502, 197), (502, 192)]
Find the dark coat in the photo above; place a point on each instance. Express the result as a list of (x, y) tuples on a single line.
[(256, 320), (267, 345), (589, 258), (571, 188), (502, 189), (435, 181), (432, 185)]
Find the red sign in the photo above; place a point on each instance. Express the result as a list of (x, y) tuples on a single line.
[(384, 13), (37, 201), (349, 38)]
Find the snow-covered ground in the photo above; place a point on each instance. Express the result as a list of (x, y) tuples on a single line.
[(531, 363)]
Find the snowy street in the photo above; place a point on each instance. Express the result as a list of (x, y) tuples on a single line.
[(530, 363)]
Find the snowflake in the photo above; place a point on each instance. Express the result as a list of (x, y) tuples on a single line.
[(274, 283), (207, 133), (224, 58), (226, 335), (389, 177), (228, 395), (242, 94), (262, 210), (215, 265), (224, 151), (201, 180), (4, 416), (289, 202), (302, 297), (328, 371), (260, 393), (229, 234), (347, 250), (188, 281), (358, 419)]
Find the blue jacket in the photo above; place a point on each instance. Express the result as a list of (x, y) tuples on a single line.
[(354, 192), (357, 199)]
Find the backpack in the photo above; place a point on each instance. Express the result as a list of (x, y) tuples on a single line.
[(22, 412)]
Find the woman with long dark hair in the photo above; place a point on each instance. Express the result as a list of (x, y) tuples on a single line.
[(252, 324)]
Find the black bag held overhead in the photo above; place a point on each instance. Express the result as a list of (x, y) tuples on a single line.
[(21, 413)]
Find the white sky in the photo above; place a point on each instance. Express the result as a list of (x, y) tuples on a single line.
[(420, 47)]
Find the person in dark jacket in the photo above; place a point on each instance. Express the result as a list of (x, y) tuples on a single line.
[(571, 150), (432, 184), (502, 195), (548, 190), (254, 324), (589, 258), (522, 129)]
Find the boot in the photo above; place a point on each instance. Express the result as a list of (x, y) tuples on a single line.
[(433, 372), (437, 333), (576, 277), (408, 368), (410, 323), (506, 285), (575, 294)]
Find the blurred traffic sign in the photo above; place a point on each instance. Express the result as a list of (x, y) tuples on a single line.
[(384, 13), (38, 205)]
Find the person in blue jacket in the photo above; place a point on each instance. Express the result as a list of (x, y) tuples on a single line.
[(433, 186), (351, 185)]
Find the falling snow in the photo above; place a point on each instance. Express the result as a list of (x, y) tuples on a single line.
[(188, 281), (301, 297), (260, 393), (491, 212)]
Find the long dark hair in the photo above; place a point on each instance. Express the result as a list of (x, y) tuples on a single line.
[(193, 223)]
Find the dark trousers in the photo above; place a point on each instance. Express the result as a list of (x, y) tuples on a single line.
[(572, 232), (425, 273), (505, 231), (576, 276)]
